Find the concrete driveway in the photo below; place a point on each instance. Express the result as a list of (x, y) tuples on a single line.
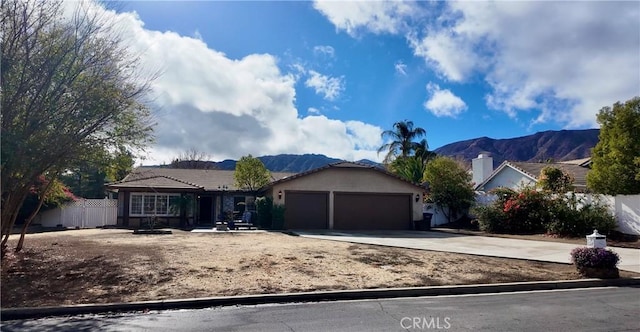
[(471, 244)]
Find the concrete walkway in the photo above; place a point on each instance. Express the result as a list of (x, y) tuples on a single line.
[(471, 244)]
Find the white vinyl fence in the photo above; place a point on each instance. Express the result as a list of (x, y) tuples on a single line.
[(626, 208), (83, 213)]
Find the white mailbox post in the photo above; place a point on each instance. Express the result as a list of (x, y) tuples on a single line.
[(596, 240)]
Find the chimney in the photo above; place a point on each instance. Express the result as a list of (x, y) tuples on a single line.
[(482, 168)]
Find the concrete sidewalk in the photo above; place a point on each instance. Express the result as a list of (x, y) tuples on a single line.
[(472, 244)]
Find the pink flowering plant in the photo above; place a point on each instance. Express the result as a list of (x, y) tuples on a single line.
[(514, 212), (594, 258), (533, 211)]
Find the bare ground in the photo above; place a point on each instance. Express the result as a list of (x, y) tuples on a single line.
[(111, 265)]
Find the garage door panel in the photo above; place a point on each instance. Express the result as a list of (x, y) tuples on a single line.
[(367, 211), (306, 210)]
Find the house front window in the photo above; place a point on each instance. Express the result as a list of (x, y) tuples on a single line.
[(150, 204)]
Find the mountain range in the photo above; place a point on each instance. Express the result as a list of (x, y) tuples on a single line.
[(540, 147)]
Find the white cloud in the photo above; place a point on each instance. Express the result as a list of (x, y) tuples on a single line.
[(375, 16), (313, 110), (562, 59), (330, 87), (401, 68), (579, 60), (443, 102), (451, 55), (325, 50), (228, 108), (365, 136)]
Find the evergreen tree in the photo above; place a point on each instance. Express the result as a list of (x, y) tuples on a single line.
[(615, 160)]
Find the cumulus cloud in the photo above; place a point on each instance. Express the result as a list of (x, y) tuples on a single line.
[(450, 54), (563, 60), (375, 16), (325, 50), (401, 68), (313, 110), (567, 68), (443, 103), (330, 87), (228, 107)]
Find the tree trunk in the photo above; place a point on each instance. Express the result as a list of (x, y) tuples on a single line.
[(10, 208), (33, 214)]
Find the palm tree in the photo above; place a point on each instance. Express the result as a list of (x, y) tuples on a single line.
[(401, 139), (422, 151)]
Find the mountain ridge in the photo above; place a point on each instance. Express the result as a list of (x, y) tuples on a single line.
[(560, 145), (542, 146)]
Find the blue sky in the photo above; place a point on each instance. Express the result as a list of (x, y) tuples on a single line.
[(327, 77)]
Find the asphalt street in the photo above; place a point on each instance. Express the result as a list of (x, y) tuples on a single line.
[(593, 309)]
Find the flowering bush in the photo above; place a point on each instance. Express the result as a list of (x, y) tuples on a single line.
[(532, 211), (490, 219), (514, 212), (594, 257), (527, 211)]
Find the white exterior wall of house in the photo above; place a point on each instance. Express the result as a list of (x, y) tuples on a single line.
[(338, 179), (509, 178)]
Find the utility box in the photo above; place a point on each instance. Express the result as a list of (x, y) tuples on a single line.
[(596, 240)]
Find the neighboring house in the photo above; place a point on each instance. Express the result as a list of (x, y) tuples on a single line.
[(180, 197), (514, 175), (347, 196)]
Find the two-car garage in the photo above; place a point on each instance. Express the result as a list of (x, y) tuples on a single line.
[(348, 196)]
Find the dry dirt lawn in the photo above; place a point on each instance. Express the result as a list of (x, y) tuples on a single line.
[(114, 265)]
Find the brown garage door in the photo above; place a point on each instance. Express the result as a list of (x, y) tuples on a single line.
[(306, 210), (366, 211)]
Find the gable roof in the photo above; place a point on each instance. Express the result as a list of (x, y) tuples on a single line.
[(532, 171), (183, 179), (345, 165)]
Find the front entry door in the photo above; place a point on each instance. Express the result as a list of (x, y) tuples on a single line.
[(206, 211)]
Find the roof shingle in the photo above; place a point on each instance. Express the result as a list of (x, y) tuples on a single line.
[(203, 179)]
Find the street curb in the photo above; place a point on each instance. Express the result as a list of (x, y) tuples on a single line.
[(198, 303)]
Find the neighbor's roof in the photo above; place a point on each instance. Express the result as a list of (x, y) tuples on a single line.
[(580, 162), (532, 170), (342, 164), (183, 179)]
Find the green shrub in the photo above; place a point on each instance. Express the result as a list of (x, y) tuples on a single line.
[(490, 218), (598, 217), (572, 217), (264, 206), (277, 215), (565, 219)]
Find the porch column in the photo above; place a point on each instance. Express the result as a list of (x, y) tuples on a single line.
[(125, 209)]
